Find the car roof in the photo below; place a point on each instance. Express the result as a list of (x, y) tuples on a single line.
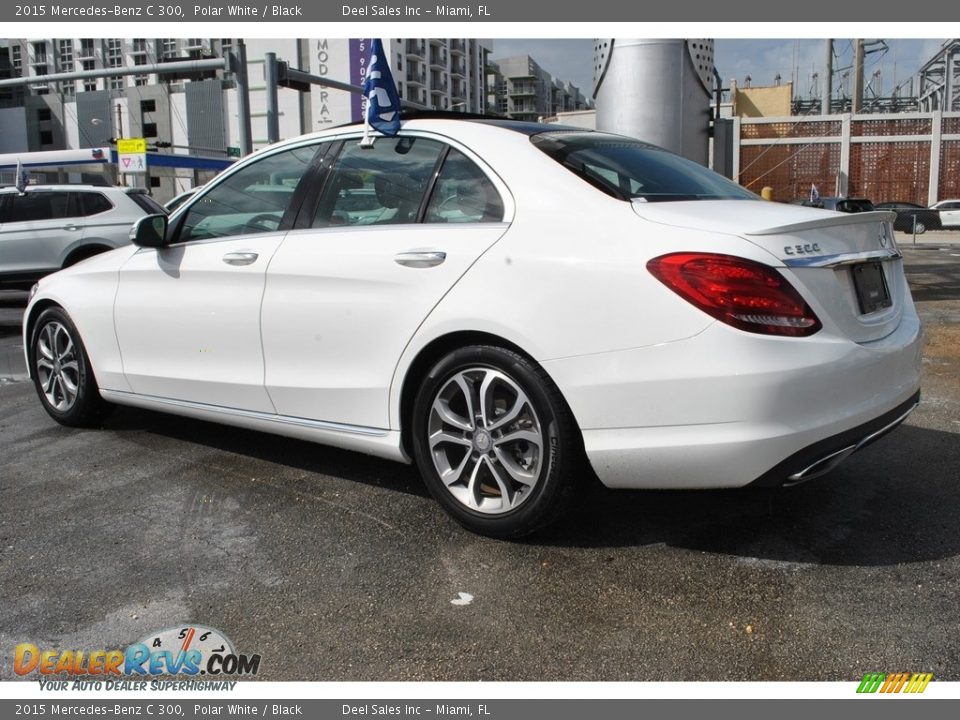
[(62, 188), (525, 127), (453, 124)]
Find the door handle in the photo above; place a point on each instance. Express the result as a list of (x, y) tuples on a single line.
[(71, 226), (420, 258), (240, 258)]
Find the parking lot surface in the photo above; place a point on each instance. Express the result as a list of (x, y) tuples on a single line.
[(337, 566)]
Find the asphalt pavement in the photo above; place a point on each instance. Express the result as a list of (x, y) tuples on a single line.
[(337, 566)]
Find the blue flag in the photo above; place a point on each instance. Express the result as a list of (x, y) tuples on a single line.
[(383, 102), (23, 178)]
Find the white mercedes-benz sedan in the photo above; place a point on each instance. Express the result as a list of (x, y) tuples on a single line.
[(514, 307)]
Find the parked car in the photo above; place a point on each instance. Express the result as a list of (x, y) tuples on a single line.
[(949, 211), (911, 216), (841, 204), (178, 200), (50, 227), (526, 305)]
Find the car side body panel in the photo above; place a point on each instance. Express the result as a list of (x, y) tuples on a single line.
[(87, 291)]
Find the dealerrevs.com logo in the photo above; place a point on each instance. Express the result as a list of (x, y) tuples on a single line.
[(187, 650)]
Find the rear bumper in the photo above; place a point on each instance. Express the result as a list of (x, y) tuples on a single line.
[(728, 409), (823, 456)]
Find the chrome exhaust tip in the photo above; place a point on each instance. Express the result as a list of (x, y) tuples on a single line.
[(821, 466)]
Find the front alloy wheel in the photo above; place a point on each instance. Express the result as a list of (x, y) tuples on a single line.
[(62, 374), (58, 369), (495, 441)]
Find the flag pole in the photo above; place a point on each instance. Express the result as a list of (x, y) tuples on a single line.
[(367, 140)]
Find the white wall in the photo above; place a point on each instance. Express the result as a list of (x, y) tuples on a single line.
[(14, 135)]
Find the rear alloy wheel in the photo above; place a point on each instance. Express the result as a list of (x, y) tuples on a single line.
[(61, 372), (495, 442), (920, 228)]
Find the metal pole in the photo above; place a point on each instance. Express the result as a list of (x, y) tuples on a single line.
[(716, 76), (243, 97), (156, 69), (828, 80), (857, 100), (123, 175), (270, 76)]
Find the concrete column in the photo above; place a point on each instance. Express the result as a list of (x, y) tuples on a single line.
[(936, 135), (735, 159), (843, 179)]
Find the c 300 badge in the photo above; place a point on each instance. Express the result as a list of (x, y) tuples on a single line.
[(807, 249)]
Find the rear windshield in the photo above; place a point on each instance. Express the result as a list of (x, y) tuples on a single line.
[(626, 168), (854, 206), (146, 202)]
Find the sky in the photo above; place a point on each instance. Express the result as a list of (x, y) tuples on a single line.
[(760, 59)]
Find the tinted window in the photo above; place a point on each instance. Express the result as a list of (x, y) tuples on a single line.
[(627, 168), (36, 206), (149, 205), (250, 200), (92, 203), (854, 206), (381, 185), (463, 194)]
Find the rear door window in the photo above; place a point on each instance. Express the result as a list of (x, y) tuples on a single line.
[(463, 193), (382, 185), (39, 206), (92, 203)]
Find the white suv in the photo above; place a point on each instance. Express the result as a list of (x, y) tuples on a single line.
[(51, 227)]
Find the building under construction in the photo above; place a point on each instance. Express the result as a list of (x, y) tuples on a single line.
[(901, 147)]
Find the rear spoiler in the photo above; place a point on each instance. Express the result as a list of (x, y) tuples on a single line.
[(832, 220)]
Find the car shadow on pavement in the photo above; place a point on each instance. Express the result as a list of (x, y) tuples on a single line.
[(283, 451), (884, 506), (894, 502)]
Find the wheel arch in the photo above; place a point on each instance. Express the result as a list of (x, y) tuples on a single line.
[(84, 251), (429, 355), (31, 322)]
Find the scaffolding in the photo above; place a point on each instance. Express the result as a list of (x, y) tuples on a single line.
[(938, 82)]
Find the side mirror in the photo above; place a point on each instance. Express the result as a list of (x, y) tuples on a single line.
[(149, 231)]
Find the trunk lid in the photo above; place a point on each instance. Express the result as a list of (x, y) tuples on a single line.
[(846, 265)]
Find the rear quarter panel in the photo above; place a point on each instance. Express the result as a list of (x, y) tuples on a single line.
[(569, 276)]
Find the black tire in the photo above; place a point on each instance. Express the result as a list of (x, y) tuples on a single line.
[(554, 467), (53, 374)]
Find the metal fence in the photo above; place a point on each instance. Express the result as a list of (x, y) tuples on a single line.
[(912, 157)]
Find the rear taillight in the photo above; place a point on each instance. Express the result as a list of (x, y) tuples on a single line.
[(743, 293)]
